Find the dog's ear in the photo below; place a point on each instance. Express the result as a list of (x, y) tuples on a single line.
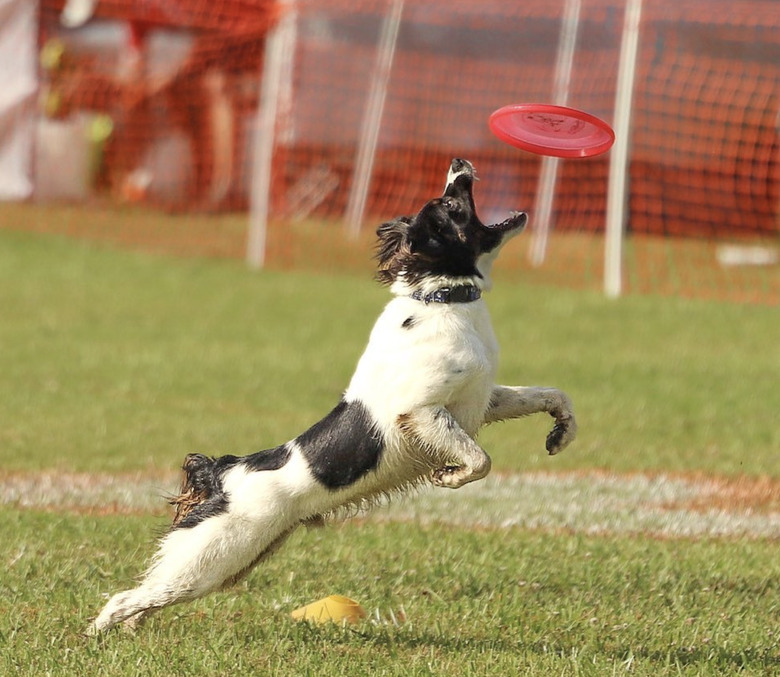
[(393, 237)]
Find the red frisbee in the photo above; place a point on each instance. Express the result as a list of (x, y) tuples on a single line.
[(552, 130)]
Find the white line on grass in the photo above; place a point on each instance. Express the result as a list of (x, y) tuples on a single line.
[(590, 503)]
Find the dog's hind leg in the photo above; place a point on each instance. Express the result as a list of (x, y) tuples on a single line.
[(458, 457), (515, 401), (134, 622), (192, 562), (130, 607)]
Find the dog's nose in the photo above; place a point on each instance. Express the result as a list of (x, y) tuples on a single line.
[(460, 166)]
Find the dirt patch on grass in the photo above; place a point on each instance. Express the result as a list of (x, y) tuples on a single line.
[(744, 494), (589, 502)]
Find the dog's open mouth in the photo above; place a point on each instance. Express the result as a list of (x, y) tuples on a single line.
[(516, 221)]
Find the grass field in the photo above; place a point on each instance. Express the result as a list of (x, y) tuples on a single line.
[(125, 361), (476, 602), (117, 364)]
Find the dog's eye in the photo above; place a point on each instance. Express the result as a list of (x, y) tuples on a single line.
[(452, 206)]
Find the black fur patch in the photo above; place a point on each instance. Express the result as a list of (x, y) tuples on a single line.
[(444, 239), (201, 494), (409, 322), (343, 446), (269, 459)]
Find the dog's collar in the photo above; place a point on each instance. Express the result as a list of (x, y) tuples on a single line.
[(464, 293)]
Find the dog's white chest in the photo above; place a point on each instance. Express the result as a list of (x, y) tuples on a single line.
[(424, 355)]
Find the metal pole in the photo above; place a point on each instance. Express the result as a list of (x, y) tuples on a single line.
[(618, 165)]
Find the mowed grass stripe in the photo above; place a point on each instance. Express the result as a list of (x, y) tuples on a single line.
[(590, 503)]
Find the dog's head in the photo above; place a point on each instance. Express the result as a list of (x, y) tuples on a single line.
[(445, 240)]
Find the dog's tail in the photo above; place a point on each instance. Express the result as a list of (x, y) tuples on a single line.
[(200, 482)]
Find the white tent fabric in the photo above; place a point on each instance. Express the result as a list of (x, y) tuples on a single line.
[(18, 88)]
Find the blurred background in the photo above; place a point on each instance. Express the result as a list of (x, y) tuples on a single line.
[(308, 122)]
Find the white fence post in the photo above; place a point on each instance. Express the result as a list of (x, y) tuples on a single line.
[(372, 119), (618, 164), (279, 51), (545, 193)]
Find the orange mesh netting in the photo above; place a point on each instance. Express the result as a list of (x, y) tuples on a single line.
[(178, 79), (181, 82), (705, 144)]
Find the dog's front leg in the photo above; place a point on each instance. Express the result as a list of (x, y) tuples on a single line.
[(438, 434), (515, 401)]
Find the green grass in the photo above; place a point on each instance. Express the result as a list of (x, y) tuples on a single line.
[(120, 361), (476, 603), (113, 360)]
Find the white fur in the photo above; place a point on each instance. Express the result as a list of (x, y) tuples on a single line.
[(449, 359)]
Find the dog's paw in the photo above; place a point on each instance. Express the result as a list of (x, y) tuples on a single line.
[(450, 476), (133, 623), (563, 433), (455, 476)]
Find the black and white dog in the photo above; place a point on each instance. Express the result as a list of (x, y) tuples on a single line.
[(422, 389)]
